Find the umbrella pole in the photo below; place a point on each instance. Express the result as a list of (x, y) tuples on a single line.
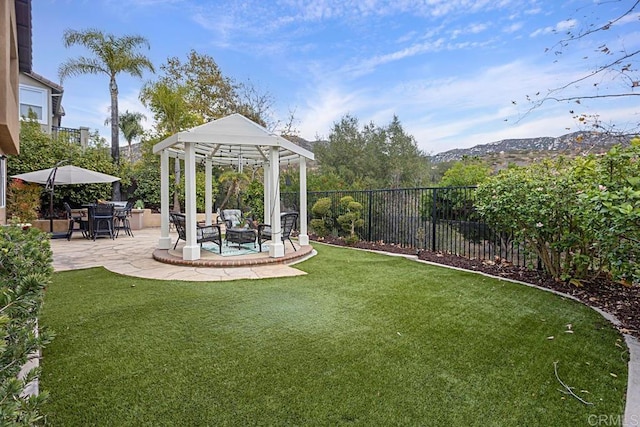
[(51, 183), (51, 211)]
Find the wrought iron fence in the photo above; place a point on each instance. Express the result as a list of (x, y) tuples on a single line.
[(70, 134), (437, 219)]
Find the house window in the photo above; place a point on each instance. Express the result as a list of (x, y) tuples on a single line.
[(33, 99), (3, 181)]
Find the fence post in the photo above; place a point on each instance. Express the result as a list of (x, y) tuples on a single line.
[(434, 218), (370, 215)]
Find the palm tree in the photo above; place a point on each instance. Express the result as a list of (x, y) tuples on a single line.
[(112, 56), (130, 124), (235, 183), (171, 113)]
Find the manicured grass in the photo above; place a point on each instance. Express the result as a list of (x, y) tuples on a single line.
[(362, 339)]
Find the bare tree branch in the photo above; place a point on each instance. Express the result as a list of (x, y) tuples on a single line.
[(555, 369), (603, 27), (622, 67)]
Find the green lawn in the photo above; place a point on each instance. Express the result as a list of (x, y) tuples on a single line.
[(363, 339)]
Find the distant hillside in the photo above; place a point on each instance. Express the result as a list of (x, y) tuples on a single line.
[(307, 145), (524, 150)]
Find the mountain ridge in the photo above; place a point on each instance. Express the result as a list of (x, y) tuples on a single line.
[(574, 143)]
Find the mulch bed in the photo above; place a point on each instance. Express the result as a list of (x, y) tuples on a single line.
[(619, 300)]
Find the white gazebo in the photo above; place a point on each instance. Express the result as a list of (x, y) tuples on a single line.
[(231, 140)]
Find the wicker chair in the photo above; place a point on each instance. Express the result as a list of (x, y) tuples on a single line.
[(204, 233), (288, 222), (230, 217)]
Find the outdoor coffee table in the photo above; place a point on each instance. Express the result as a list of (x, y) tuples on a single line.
[(240, 235)]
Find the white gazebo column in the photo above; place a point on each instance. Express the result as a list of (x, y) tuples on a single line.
[(165, 241), (267, 193), (276, 248), (303, 237), (208, 185), (191, 250)]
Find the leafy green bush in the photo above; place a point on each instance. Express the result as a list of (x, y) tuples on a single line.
[(468, 171), (612, 211), (25, 271), (38, 150), (580, 217), (253, 200), (322, 221), (23, 200), (351, 218), (540, 205)]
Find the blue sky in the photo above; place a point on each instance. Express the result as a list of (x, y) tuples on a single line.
[(451, 70)]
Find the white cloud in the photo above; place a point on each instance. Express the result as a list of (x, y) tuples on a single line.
[(370, 64), (561, 26), (632, 18), (456, 111), (326, 104), (566, 25), (513, 27)]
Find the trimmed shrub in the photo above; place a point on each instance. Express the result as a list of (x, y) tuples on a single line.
[(351, 218), (322, 221)]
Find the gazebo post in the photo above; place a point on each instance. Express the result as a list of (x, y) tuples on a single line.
[(208, 185), (165, 241), (191, 250), (267, 193), (303, 237), (276, 248)]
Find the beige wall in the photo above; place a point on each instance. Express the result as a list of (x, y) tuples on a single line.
[(9, 123)]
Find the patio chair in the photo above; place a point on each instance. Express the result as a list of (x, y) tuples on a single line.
[(288, 222), (74, 219), (204, 233), (230, 218), (121, 219), (101, 217)]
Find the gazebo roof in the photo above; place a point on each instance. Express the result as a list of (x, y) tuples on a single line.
[(229, 139)]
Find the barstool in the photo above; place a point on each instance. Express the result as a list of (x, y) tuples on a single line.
[(102, 219)]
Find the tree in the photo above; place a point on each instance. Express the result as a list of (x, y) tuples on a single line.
[(374, 157), (168, 102), (407, 164), (234, 182), (112, 56), (344, 152), (466, 172), (196, 91), (614, 73), (210, 95), (130, 124)]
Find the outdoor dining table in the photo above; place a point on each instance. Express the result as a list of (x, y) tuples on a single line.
[(91, 220)]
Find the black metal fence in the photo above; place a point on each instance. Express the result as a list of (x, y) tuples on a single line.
[(436, 219), (70, 134)]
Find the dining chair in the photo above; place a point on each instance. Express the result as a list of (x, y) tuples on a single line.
[(102, 219)]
